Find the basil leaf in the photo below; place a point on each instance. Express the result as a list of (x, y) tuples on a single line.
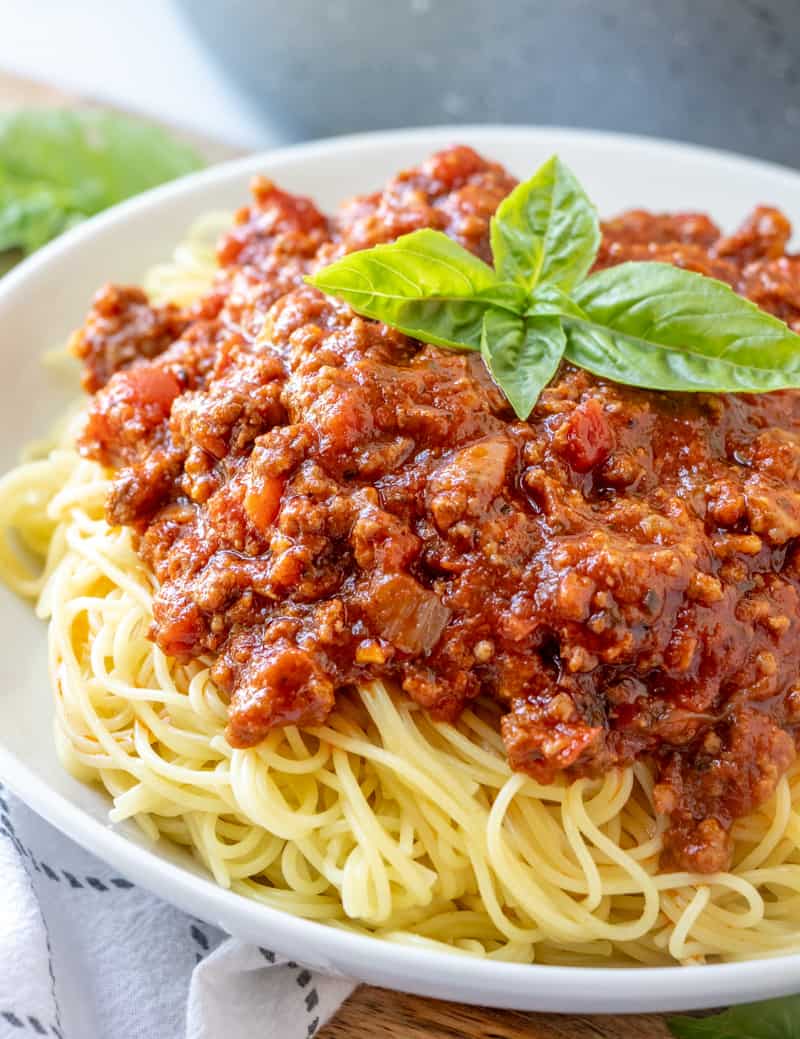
[(662, 328), (547, 299), (546, 231), (424, 284), (774, 1019), (522, 355), (58, 167)]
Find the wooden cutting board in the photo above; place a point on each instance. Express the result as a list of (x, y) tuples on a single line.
[(372, 1011)]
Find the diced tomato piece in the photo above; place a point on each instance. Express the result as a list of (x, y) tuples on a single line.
[(586, 439), (126, 411), (262, 501)]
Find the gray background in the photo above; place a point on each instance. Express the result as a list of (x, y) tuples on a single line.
[(719, 72)]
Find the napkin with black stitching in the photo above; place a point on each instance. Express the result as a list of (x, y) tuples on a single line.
[(84, 954)]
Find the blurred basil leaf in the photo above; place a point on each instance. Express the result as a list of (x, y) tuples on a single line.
[(59, 166), (774, 1019)]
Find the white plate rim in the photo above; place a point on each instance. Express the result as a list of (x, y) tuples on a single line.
[(422, 971)]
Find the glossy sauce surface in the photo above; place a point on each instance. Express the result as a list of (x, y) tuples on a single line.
[(324, 500)]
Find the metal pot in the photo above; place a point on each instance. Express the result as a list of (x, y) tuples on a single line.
[(722, 72)]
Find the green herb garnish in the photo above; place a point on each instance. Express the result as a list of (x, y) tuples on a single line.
[(773, 1019), (641, 324), (58, 167)]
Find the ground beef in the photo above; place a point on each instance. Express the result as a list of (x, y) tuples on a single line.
[(324, 500), (121, 328)]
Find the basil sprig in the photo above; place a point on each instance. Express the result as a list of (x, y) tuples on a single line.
[(641, 324), (773, 1019)]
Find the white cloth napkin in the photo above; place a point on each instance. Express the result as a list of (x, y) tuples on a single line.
[(84, 954)]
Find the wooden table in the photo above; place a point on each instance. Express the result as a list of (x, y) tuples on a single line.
[(377, 1012)]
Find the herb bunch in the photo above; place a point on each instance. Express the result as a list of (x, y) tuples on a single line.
[(641, 324)]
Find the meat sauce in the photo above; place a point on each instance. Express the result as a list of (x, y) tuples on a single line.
[(325, 501)]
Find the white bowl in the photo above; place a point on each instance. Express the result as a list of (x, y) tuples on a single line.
[(47, 296)]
